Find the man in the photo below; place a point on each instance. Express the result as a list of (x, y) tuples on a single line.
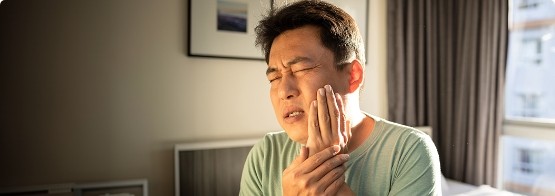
[(315, 58)]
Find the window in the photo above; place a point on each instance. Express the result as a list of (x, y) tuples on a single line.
[(528, 4), (528, 141), (528, 165), (531, 60)]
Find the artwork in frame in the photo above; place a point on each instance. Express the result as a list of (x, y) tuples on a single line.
[(225, 28)]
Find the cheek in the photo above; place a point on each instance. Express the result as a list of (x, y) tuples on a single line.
[(338, 83), (310, 87)]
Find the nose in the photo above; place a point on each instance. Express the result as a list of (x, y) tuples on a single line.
[(288, 87)]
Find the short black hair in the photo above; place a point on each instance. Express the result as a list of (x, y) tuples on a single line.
[(338, 30)]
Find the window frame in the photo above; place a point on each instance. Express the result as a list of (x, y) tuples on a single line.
[(532, 128)]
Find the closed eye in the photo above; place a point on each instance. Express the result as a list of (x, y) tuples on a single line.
[(306, 69), (274, 79), (272, 76)]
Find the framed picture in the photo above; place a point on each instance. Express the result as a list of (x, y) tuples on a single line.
[(225, 28)]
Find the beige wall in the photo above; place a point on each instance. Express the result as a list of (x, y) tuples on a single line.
[(103, 90)]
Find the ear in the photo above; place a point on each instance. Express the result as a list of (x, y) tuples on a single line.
[(356, 75)]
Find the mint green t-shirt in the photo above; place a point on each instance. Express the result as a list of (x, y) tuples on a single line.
[(394, 160)]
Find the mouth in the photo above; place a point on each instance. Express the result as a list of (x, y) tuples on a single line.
[(292, 115)]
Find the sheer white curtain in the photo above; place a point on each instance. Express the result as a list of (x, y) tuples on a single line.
[(446, 69)]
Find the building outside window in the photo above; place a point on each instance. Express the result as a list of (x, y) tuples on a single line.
[(528, 141), (528, 166)]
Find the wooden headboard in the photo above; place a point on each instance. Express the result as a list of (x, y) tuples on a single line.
[(210, 168)]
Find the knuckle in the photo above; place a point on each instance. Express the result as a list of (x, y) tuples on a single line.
[(335, 112), (336, 172), (303, 183), (326, 118), (330, 164), (313, 191), (315, 124), (297, 175), (318, 159)]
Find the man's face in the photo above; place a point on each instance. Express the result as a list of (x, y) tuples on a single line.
[(299, 65)]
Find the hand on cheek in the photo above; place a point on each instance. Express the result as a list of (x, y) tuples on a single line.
[(320, 168), (327, 125)]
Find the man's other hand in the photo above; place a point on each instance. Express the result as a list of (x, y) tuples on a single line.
[(320, 174)]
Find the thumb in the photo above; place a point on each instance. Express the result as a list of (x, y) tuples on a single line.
[(303, 155)]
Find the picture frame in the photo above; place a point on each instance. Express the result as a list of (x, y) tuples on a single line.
[(209, 36), (225, 28)]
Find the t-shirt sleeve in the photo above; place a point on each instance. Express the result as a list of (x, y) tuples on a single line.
[(251, 179), (418, 170)]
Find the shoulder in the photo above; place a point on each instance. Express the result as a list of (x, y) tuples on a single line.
[(385, 129), (415, 157), (270, 156), (404, 140), (276, 137), (275, 143), (394, 131), (273, 139)]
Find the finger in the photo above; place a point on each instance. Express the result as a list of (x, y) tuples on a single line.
[(329, 165), (313, 127), (349, 135), (317, 159), (349, 132), (303, 155), (332, 176), (324, 117), (334, 187), (342, 119), (333, 112)]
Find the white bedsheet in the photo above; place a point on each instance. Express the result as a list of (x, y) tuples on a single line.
[(452, 187)]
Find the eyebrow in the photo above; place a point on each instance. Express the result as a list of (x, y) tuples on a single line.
[(270, 70), (297, 60), (288, 64)]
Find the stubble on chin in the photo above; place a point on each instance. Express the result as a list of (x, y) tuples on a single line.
[(299, 138)]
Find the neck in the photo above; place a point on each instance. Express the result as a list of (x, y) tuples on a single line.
[(361, 125), (352, 109)]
